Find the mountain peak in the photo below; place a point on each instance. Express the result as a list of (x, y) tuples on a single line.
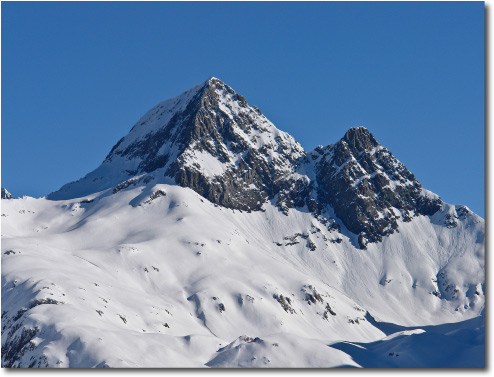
[(6, 194), (359, 139), (205, 139), (214, 80), (216, 84), (212, 141), (368, 188)]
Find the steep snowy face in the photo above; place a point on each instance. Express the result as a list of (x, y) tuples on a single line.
[(368, 188), (208, 139)]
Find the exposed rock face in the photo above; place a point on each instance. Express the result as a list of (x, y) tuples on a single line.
[(6, 194), (249, 156), (210, 140), (368, 188), (213, 143)]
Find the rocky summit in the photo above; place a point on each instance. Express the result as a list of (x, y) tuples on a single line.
[(6, 194), (210, 140), (368, 188)]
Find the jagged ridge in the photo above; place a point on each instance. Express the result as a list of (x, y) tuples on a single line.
[(368, 188), (210, 140)]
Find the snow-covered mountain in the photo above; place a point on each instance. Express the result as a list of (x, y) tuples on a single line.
[(209, 139), (209, 238)]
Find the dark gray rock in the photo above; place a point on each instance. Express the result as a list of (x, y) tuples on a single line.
[(6, 194), (206, 126), (364, 184)]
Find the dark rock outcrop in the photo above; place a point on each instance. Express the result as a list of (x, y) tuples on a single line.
[(6, 194), (368, 188)]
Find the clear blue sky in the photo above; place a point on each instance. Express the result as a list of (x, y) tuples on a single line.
[(77, 76)]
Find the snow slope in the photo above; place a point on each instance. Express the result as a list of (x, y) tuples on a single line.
[(86, 285)]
